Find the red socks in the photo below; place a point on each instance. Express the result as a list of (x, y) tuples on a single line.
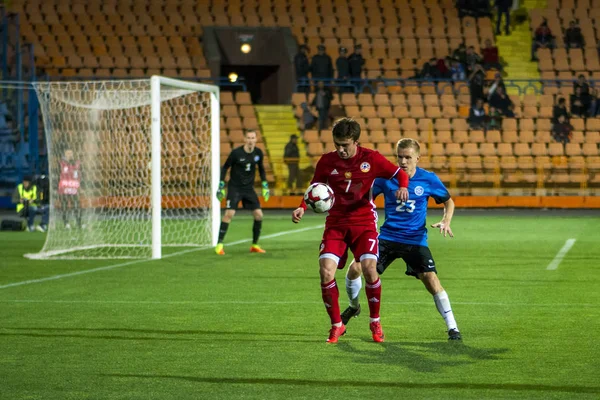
[(331, 294), (373, 291)]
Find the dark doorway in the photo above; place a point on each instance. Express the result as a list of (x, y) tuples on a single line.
[(261, 81)]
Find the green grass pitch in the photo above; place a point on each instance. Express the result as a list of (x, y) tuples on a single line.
[(252, 326)]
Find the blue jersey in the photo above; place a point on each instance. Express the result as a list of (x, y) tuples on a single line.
[(406, 222)]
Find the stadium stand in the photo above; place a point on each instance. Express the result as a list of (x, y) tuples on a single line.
[(134, 38)]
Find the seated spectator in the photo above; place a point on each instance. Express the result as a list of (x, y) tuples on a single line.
[(494, 119), (25, 197), (562, 130), (308, 119), (477, 117), (473, 59), (476, 83), (457, 71), (430, 70), (460, 54), (560, 109), (582, 83), (580, 103), (573, 36), (443, 66), (500, 101), (491, 59), (542, 39)]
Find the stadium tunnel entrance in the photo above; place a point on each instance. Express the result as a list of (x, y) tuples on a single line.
[(267, 68)]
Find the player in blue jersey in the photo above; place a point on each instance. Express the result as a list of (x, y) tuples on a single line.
[(404, 233)]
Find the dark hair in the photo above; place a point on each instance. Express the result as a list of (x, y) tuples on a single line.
[(346, 128), (247, 131), (561, 100)]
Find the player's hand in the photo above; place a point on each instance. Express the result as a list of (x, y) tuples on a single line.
[(297, 215), (444, 229), (265, 190), (221, 191), (402, 194)]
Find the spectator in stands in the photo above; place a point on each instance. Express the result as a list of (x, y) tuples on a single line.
[(357, 62), (308, 119), (543, 39), (322, 102), (562, 130), (460, 54), (582, 83), (477, 117), (503, 7), (429, 70), (573, 36), (496, 83), (443, 66), (321, 66), (560, 109), (491, 59), (494, 119), (476, 83), (472, 58), (25, 197), (302, 69), (457, 71), (343, 70), (291, 156), (500, 101), (580, 103), (5, 116)]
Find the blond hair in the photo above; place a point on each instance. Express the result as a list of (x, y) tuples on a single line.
[(405, 143)]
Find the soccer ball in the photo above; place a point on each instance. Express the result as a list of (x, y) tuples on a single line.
[(319, 197)]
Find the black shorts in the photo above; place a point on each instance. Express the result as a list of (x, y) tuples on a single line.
[(248, 198), (418, 259)]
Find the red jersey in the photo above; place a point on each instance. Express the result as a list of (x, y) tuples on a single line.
[(351, 181), (70, 178)]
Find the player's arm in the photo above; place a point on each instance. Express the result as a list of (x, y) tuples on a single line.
[(226, 166), (263, 178), (440, 194), (319, 176)]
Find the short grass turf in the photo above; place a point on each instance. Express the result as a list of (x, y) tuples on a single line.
[(252, 326)]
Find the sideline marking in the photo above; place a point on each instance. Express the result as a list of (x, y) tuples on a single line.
[(561, 254), (108, 267)]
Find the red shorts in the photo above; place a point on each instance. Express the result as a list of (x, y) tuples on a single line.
[(360, 240)]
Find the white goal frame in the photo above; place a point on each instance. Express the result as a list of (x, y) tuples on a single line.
[(215, 145), (156, 132)]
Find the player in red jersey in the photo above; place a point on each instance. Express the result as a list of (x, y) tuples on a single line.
[(68, 187), (352, 221)]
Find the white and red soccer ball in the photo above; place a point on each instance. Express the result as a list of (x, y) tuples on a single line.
[(319, 197)]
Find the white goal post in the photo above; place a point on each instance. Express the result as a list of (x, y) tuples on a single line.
[(147, 156)]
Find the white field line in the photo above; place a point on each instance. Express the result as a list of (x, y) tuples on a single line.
[(109, 267), (272, 303), (561, 254)]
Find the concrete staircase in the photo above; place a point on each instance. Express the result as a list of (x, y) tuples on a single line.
[(516, 50), (277, 123)]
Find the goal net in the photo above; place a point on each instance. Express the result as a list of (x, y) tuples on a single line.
[(143, 171)]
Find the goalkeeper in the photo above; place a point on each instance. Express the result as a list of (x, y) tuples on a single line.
[(243, 162)]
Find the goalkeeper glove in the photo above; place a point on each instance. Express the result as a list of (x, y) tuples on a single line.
[(265, 190), (221, 191)]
